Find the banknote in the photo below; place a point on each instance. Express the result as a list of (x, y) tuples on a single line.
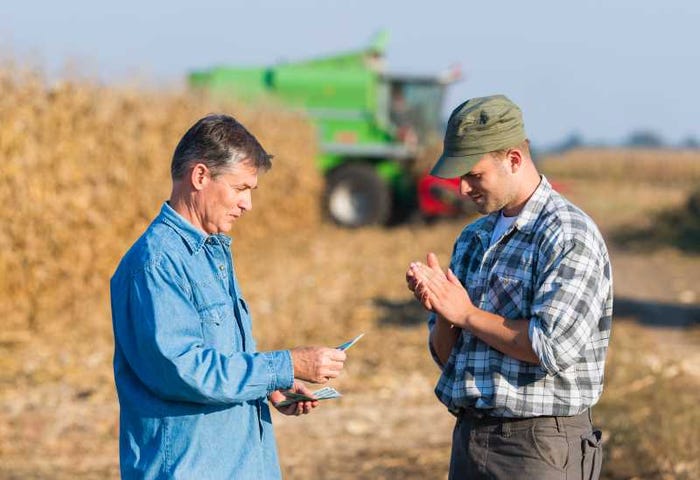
[(324, 393), (349, 343)]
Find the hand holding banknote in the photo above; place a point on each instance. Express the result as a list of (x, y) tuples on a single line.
[(298, 400), (317, 364), (291, 397)]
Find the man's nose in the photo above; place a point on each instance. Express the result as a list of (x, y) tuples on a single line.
[(464, 187), (246, 202)]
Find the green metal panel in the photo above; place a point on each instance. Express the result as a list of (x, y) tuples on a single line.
[(342, 103), (312, 87), (246, 84)]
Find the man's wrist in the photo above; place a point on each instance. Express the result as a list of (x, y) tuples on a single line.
[(446, 324), (464, 321), (468, 318)]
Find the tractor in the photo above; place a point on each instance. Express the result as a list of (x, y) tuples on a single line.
[(371, 126)]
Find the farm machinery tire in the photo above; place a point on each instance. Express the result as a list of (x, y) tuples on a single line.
[(356, 196)]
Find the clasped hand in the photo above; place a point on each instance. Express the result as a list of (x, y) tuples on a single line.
[(439, 291)]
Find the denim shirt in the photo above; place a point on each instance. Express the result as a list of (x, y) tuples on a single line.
[(192, 388)]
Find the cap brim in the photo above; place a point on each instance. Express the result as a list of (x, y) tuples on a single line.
[(452, 167)]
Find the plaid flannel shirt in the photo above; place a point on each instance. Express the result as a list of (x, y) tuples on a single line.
[(550, 268)]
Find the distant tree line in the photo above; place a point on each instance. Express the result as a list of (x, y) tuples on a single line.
[(636, 139)]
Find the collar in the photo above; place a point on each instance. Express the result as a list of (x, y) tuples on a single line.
[(193, 237), (527, 216), (534, 206)]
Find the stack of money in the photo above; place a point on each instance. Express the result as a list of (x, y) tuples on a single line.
[(323, 394)]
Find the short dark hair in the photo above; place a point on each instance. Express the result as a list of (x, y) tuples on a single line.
[(524, 146), (219, 142)]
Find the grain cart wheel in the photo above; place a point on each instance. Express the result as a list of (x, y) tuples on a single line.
[(356, 195)]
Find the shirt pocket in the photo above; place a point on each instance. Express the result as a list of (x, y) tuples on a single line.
[(218, 330), (506, 296)]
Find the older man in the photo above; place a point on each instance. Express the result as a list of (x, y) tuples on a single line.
[(520, 321), (192, 387)]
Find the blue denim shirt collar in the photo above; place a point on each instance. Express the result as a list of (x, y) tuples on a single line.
[(193, 237)]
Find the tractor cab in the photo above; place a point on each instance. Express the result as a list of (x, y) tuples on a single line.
[(413, 106)]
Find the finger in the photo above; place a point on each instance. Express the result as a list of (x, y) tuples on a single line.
[(411, 282), (423, 292), (432, 260), (422, 274), (338, 355), (453, 278), (415, 267), (425, 273), (426, 299), (432, 284), (304, 390)]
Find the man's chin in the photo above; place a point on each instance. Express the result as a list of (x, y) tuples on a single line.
[(486, 209), (227, 227)]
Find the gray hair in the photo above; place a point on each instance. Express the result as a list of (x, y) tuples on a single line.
[(219, 142)]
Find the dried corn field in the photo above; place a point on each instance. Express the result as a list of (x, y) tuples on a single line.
[(85, 167), (668, 167)]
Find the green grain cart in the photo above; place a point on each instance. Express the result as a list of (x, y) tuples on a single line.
[(370, 124)]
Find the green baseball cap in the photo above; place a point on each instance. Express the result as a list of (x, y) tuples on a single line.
[(477, 127)]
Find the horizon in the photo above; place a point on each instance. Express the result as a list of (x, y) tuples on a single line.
[(597, 70)]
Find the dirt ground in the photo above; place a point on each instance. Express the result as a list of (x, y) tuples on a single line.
[(58, 410)]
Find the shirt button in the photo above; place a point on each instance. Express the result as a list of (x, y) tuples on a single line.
[(221, 267)]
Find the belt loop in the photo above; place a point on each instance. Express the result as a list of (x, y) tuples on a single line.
[(558, 421), (505, 428), (590, 415)]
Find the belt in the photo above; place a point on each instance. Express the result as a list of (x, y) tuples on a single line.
[(480, 416)]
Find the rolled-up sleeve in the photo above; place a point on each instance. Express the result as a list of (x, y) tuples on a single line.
[(567, 304), (163, 344)]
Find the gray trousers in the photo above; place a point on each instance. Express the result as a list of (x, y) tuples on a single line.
[(539, 448)]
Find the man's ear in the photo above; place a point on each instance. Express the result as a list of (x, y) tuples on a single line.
[(515, 159), (199, 176)]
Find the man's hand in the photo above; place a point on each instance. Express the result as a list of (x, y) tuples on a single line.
[(299, 408), (317, 364), (412, 283), (442, 291)]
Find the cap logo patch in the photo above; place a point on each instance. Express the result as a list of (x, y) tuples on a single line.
[(483, 118)]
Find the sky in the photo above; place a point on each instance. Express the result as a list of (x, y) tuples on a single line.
[(597, 69)]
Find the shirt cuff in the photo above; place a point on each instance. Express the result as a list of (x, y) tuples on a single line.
[(431, 324), (280, 369), (541, 347)]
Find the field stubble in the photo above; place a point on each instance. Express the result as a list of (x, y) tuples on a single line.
[(85, 168)]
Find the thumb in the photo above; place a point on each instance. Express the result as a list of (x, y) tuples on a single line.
[(432, 260), (452, 277)]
